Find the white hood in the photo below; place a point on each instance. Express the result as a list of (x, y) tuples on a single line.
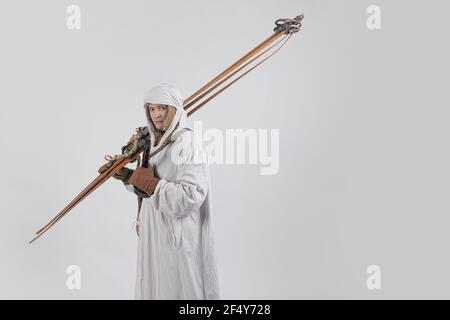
[(166, 94)]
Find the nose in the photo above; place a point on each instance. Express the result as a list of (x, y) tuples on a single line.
[(158, 115)]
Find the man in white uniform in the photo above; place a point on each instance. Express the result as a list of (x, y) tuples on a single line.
[(176, 257)]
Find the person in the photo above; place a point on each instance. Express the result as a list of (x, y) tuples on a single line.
[(176, 256)]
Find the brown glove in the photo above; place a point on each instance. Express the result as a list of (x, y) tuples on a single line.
[(124, 174), (144, 179)]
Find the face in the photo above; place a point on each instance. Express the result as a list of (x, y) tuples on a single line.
[(158, 113)]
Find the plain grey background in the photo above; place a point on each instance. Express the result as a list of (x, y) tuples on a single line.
[(363, 118)]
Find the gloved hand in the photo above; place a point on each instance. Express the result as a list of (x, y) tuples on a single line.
[(124, 174), (144, 179)]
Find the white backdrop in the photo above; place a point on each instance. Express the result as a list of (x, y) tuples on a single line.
[(363, 122)]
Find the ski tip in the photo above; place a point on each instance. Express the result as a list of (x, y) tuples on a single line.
[(34, 239)]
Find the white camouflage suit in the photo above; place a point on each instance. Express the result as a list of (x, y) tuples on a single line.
[(176, 258)]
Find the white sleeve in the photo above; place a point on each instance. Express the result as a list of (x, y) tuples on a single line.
[(185, 195)]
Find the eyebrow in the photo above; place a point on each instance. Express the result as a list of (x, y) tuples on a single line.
[(157, 105)]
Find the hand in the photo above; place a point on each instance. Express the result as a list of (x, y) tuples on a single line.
[(123, 174), (144, 179)]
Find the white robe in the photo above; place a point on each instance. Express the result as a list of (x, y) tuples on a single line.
[(176, 258)]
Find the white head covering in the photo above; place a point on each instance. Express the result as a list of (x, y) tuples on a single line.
[(169, 95)]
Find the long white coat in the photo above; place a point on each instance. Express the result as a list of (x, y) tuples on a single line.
[(176, 258)]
